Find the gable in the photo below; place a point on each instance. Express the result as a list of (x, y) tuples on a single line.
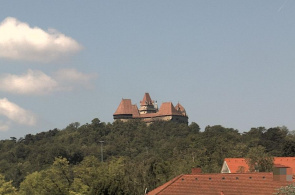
[(225, 168)]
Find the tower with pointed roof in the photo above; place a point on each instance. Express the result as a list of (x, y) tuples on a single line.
[(149, 112), (147, 105)]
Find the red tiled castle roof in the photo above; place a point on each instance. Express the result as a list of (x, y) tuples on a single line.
[(167, 108), (149, 110), (126, 107), (146, 100), (180, 109)]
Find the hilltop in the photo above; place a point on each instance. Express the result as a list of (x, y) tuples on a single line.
[(135, 155)]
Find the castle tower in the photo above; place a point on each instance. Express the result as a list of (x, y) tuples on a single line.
[(180, 109), (147, 105)]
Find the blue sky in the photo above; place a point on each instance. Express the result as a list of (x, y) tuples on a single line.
[(228, 63)]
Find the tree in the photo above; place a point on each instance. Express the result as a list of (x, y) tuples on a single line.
[(6, 188), (273, 140), (258, 160), (252, 138), (194, 127), (289, 148), (219, 143), (95, 177), (86, 176), (32, 185), (53, 181)]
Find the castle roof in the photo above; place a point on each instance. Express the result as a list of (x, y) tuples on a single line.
[(148, 110), (228, 184), (167, 108), (146, 100), (180, 108), (126, 107), (135, 112)]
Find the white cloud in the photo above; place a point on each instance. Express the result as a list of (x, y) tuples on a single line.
[(70, 78), (35, 82), (16, 114), (19, 41)]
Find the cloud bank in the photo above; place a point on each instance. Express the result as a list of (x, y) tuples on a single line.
[(33, 82), (71, 78), (15, 114), (19, 41), (36, 82)]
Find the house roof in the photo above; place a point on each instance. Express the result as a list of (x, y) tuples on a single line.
[(126, 107), (234, 164), (285, 161), (227, 184)]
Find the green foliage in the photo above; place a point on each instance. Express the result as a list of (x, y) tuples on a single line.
[(136, 156), (258, 160), (55, 180), (6, 188), (218, 143), (94, 177), (286, 190), (289, 148)]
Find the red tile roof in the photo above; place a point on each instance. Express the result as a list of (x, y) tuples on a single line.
[(146, 100), (126, 107), (234, 164), (216, 184), (180, 109), (285, 161), (167, 108), (135, 112)]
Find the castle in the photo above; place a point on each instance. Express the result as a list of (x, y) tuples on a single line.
[(149, 112)]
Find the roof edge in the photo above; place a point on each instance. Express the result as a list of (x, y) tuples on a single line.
[(166, 185)]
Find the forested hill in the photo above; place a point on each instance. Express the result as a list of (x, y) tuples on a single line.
[(135, 156)]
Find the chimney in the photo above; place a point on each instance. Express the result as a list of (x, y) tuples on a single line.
[(282, 173), (196, 171)]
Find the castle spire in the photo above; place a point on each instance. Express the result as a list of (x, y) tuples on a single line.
[(147, 105)]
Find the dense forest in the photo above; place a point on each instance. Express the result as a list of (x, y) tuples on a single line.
[(136, 157)]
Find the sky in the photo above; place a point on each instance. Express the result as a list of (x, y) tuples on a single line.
[(229, 63)]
